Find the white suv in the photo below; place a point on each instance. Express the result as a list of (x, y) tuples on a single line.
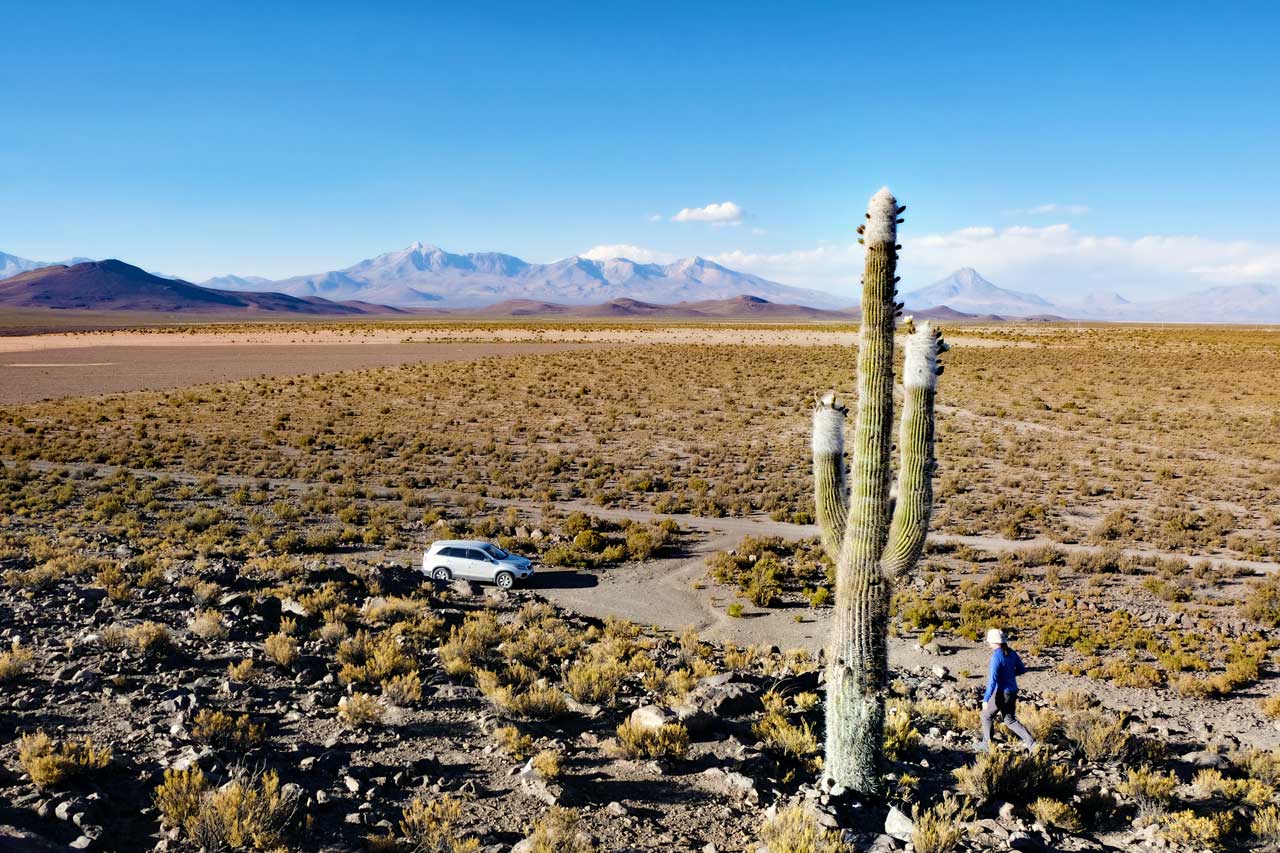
[(465, 558)]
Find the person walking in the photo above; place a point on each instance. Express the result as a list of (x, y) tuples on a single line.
[(1001, 696)]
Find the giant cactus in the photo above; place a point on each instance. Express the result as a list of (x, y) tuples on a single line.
[(871, 537)]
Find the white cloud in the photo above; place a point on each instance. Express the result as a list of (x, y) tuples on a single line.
[(1054, 260), (723, 213), (654, 217), (640, 255), (758, 231)]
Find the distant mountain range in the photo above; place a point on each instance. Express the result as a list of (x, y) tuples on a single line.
[(966, 290), (11, 265), (425, 279), (426, 276), (116, 286)]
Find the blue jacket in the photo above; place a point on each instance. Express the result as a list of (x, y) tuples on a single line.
[(1006, 666)]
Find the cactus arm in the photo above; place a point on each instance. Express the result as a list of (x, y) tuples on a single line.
[(915, 447), (857, 659), (830, 489)]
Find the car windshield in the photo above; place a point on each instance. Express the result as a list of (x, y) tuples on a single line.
[(496, 552)]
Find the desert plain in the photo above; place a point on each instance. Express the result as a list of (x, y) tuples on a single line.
[(211, 533)]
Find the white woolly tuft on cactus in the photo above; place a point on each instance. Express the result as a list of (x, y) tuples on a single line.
[(882, 222), (828, 428), (920, 358)]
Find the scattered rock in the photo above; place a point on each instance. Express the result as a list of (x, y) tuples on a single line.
[(898, 825)]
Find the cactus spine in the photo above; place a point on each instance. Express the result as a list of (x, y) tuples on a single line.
[(871, 537)]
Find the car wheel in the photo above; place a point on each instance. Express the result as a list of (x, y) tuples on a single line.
[(505, 580), (441, 574)]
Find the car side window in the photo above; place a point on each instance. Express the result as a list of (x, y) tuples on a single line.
[(477, 555), (451, 552)]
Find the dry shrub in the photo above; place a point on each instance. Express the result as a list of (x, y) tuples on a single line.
[(558, 832), (405, 689), (547, 763), (432, 827), (778, 733), (366, 658), (49, 764), (512, 742), (1097, 735), (795, 830), (1042, 723), (539, 702), (595, 681), (221, 730), (1017, 776), (151, 640), (1207, 832), (1265, 825), (252, 812), (1056, 814), (243, 671), (940, 828), (668, 741), (1270, 706), (471, 644), (15, 662), (360, 710), (947, 713), (1261, 764), (900, 734), (394, 609), (1210, 782), (207, 625), (281, 648), (1151, 790)]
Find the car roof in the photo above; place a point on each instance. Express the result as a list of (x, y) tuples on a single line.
[(463, 543)]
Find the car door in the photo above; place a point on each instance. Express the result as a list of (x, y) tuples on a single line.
[(482, 567), (452, 559)]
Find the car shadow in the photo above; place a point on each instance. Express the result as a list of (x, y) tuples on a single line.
[(561, 580)]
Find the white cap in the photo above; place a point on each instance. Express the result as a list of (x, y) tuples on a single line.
[(995, 637)]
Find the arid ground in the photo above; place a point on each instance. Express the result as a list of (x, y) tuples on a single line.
[(179, 501)]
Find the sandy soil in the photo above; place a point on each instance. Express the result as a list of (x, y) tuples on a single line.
[(27, 375), (74, 364)]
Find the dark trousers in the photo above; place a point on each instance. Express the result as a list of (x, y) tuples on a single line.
[(1003, 705)]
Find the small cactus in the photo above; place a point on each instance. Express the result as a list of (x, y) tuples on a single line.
[(871, 535)]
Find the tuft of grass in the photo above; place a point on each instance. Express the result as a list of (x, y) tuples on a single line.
[(795, 830), (404, 689), (360, 710), (558, 832), (668, 741), (512, 742), (900, 733), (940, 828), (207, 625), (1056, 814), (221, 730), (1151, 790), (50, 764), (1202, 832), (433, 827), (281, 649), (547, 762), (1017, 776), (15, 662), (250, 812), (1097, 735), (151, 640)]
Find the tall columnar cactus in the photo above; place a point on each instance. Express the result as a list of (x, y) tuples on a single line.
[(871, 537)]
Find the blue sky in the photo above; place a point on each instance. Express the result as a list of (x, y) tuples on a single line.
[(1054, 147)]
